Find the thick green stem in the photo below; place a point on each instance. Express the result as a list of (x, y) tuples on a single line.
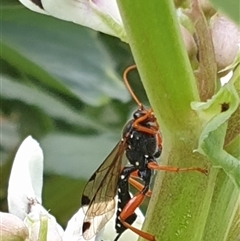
[(180, 202), (157, 46)]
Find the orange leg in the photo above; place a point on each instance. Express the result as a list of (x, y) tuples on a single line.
[(134, 174), (140, 233), (128, 210), (150, 131), (159, 141), (138, 186), (155, 166)]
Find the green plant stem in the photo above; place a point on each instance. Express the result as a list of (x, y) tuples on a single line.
[(180, 203), (157, 46)]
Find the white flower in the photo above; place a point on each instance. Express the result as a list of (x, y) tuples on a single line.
[(25, 204), (101, 15), (25, 190), (12, 227), (73, 231), (25, 183), (109, 230)]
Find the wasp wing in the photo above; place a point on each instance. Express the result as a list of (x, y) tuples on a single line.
[(98, 201)]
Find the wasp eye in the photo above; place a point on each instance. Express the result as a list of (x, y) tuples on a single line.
[(137, 114)]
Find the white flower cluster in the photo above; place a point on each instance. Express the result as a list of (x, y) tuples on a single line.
[(27, 219)]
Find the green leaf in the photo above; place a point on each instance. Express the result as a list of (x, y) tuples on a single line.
[(77, 160), (67, 52), (217, 112), (223, 206), (58, 188), (233, 147), (234, 232), (54, 108), (19, 66)]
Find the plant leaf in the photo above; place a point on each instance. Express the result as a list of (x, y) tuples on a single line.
[(69, 53), (55, 109), (69, 162), (217, 112)]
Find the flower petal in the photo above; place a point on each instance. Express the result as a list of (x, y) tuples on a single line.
[(109, 231), (109, 7), (73, 231), (25, 183), (100, 15), (35, 6), (37, 217)]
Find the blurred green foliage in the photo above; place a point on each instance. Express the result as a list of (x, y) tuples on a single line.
[(62, 84), (230, 8)]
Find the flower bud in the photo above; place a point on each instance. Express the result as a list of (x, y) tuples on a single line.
[(225, 37), (207, 8), (12, 228), (189, 43), (181, 3)]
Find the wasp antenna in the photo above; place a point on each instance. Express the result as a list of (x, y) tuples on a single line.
[(127, 70)]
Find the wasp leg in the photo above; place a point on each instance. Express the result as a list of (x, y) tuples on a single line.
[(144, 129), (133, 203), (128, 210), (138, 186), (140, 233), (155, 166), (159, 145), (123, 198)]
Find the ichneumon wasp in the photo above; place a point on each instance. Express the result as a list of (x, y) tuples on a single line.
[(141, 144)]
